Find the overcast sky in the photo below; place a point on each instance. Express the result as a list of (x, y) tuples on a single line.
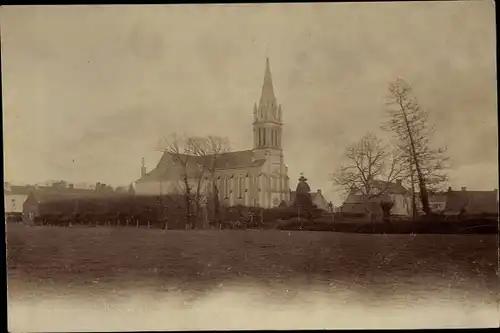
[(89, 90)]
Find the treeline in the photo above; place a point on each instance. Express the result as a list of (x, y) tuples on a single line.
[(139, 211), (480, 224), (161, 212), (169, 213)]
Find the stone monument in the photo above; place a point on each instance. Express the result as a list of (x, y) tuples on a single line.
[(302, 194)]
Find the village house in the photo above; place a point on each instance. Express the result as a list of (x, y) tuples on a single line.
[(14, 198), (395, 192), (437, 202), (466, 202), (57, 192), (460, 202), (255, 177)]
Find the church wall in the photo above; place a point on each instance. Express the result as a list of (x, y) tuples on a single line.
[(154, 187), (237, 186), (263, 186), (174, 184)]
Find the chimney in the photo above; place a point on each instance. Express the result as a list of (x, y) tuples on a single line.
[(398, 182), (464, 188), (450, 189), (319, 191), (71, 186), (143, 168), (59, 184)]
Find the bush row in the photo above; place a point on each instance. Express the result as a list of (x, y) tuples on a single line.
[(464, 226)]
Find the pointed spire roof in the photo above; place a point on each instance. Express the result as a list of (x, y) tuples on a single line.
[(267, 95)]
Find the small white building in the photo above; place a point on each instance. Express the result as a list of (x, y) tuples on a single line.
[(396, 193), (14, 197)]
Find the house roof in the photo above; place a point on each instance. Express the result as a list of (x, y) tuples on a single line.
[(361, 207), (19, 190), (49, 193), (472, 202), (231, 160), (385, 187), (389, 187)]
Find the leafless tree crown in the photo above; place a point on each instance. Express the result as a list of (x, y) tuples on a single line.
[(196, 158), (366, 161)]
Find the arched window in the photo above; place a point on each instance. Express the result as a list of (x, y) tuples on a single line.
[(226, 187), (218, 184), (240, 187)]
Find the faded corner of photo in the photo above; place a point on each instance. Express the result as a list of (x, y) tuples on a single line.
[(251, 166)]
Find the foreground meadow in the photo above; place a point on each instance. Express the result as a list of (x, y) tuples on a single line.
[(84, 263), (83, 255)]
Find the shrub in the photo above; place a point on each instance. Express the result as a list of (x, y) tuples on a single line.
[(469, 226), (343, 215)]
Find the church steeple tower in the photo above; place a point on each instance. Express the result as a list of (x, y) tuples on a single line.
[(267, 116)]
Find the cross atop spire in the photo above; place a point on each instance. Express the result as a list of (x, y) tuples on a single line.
[(267, 96)]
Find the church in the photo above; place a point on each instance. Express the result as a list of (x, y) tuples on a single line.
[(257, 177)]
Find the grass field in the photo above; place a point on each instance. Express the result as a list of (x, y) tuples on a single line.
[(83, 255), (301, 268)]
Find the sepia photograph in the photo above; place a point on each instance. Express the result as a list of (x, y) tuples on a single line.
[(277, 166)]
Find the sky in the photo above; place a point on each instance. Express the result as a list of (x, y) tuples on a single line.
[(87, 91)]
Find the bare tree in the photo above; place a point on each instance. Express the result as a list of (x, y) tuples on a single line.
[(412, 129), (208, 149), (367, 161), (178, 149), (196, 158)]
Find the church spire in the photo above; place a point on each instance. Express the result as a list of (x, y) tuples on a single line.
[(267, 97), (267, 123)]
